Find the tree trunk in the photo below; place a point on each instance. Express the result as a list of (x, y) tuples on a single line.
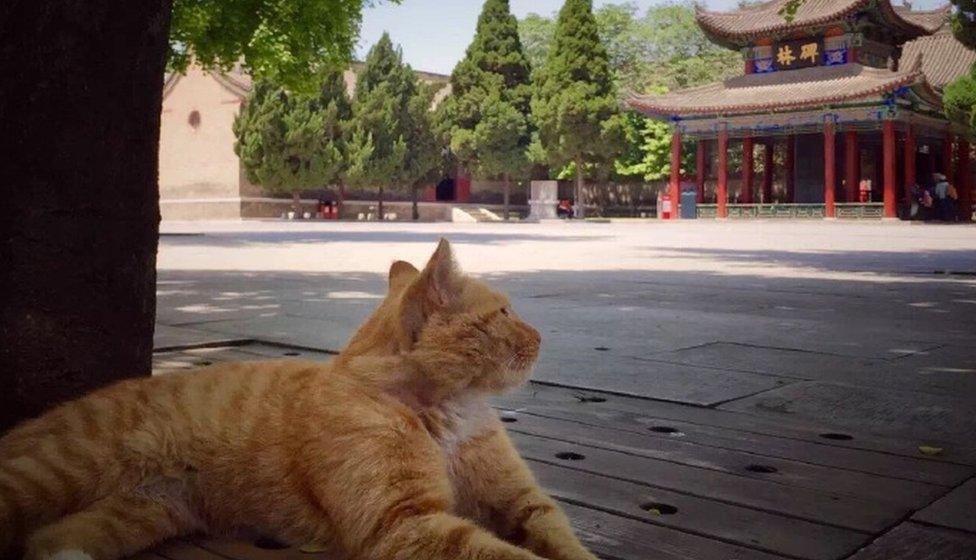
[(505, 194), (415, 212), (296, 204), (80, 105), (342, 199), (579, 205), (379, 210)]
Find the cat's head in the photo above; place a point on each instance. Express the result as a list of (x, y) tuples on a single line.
[(453, 325)]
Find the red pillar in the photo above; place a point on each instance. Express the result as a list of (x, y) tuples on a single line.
[(700, 170), (911, 149), (888, 159), (830, 169), (768, 172), (852, 167), (748, 170), (964, 181), (675, 186), (722, 190), (790, 171)]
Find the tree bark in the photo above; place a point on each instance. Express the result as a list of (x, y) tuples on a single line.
[(80, 105), (505, 195), (379, 210), (415, 211), (296, 204), (579, 206)]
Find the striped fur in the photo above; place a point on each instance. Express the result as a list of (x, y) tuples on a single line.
[(387, 452)]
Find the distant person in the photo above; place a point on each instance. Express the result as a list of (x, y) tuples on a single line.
[(564, 209), (941, 196)]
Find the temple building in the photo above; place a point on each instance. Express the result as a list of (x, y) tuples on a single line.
[(845, 100)]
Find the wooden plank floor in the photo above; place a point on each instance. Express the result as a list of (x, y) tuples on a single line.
[(645, 479)]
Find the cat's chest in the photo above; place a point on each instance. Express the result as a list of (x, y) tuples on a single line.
[(456, 422)]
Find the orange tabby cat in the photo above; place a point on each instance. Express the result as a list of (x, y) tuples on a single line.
[(389, 451)]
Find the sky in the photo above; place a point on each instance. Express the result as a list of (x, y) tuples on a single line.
[(435, 33)]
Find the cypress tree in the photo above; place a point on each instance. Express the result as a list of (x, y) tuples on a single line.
[(289, 142), (384, 134), (574, 102), (491, 94)]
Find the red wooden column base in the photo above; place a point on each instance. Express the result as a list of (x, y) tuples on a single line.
[(830, 170), (964, 184), (789, 164), (768, 172), (700, 170), (911, 148), (722, 190), (888, 165), (852, 166), (675, 186), (748, 170)]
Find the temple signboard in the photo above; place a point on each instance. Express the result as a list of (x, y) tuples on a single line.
[(800, 53)]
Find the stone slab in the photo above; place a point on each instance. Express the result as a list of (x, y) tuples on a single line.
[(667, 428), (911, 541), (955, 510), (742, 526), (654, 380), (612, 536), (939, 469), (922, 417), (908, 372)]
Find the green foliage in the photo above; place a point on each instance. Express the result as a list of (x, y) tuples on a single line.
[(289, 42), (959, 99), (574, 101), (648, 149), (960, 96), (664, 47), (489, 108), (390, 136), (290, 142)]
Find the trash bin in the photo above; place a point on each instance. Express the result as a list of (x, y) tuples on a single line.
[(689, 205)]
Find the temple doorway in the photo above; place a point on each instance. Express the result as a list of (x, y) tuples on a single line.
[(445, 190)]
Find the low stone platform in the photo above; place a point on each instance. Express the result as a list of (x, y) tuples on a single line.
[(647, 479)]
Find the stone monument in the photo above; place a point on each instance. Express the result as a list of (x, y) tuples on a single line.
[(543, 201)]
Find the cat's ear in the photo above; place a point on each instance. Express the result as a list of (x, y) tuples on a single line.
[(440, 276), (402, 274), (433, 289)]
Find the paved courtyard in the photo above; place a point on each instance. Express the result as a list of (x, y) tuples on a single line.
[(706, 390)]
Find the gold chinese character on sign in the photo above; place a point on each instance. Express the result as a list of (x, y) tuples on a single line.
[(785, 56), (809, 51)]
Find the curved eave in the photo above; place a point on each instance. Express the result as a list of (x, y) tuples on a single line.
[(914, 79), (716, 25)]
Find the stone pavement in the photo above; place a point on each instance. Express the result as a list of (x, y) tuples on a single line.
[(827, 352)]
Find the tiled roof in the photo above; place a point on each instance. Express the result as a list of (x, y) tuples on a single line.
[(763, 20), (781, 91), (943, 57)]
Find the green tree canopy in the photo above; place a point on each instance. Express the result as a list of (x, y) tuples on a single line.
[(286, 41), (574, 103), (960, 95), (290, 142), (491, 95)]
